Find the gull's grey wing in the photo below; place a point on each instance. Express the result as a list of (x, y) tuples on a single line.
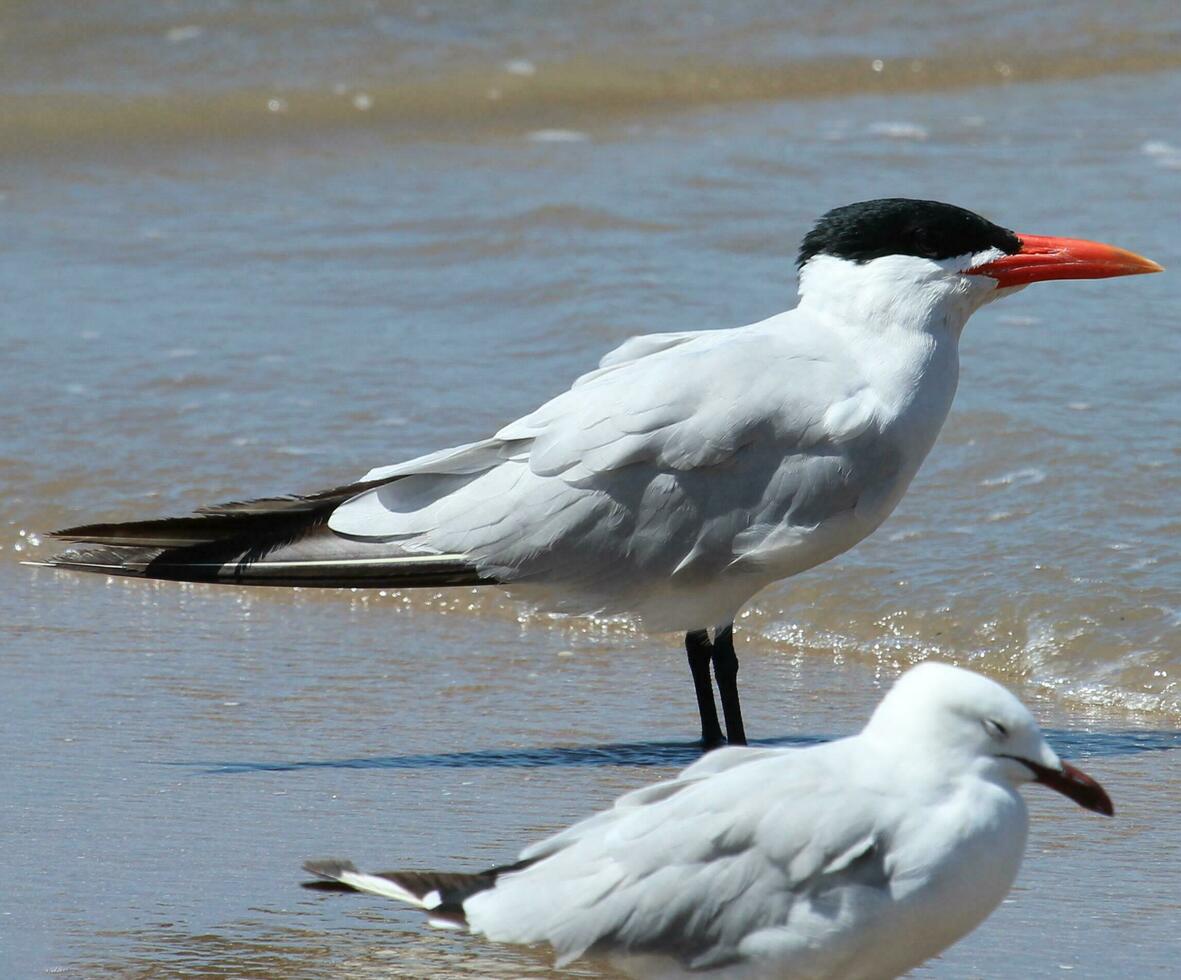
[(695, 868)]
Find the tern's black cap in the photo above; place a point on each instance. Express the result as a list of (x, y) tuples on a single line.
[(902, 226)]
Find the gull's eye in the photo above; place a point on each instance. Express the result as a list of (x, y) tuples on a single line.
[(995, 729)]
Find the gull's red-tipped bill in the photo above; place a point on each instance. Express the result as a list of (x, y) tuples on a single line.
[(1074, 784)]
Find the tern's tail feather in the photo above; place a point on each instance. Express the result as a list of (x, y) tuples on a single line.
[(440, 894), (276, 541)]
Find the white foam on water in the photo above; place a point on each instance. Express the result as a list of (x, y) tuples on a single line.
[(1163, 153), (182, 33), (557, 136), (899, 131), (520, 67), (1027, 477)]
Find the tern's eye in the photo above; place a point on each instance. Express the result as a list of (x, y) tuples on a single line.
[(995, 729), (922, 243), (919, 242)]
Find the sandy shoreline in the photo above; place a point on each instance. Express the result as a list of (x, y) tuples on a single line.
[(177, 756)]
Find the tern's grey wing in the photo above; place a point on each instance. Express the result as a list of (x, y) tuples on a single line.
[(470, 458), (721, 447), (636, 348), (695, 403), (475, 457), (696, 868)]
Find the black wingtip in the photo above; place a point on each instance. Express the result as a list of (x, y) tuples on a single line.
[(320, 885), (108, 560), (279, 517), (328, 867), (327, 872)]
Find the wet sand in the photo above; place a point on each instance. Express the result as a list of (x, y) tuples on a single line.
[(173, 761)]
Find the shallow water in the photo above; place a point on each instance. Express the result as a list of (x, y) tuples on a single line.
[(255, 248)]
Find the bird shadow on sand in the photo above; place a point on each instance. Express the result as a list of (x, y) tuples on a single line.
[(609, 754), (1069, 743)]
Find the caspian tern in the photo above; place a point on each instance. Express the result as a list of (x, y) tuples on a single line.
[(855, 859), (684, 474)]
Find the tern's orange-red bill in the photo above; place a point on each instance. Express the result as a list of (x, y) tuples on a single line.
[(1044, 257)]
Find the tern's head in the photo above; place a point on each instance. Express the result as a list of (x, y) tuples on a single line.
[(959, 718), (909, 259)]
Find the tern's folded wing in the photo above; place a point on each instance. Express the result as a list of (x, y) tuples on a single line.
[(721, 447), (694, 404)]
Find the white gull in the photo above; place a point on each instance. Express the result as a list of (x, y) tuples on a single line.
[(855, 859)]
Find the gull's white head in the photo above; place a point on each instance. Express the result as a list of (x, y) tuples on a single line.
[(931, 265), (958, 718)]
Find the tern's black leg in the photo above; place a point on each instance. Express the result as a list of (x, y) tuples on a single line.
[(700, 652), (726, 673)]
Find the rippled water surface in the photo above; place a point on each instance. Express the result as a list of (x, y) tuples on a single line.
[(252, 248)]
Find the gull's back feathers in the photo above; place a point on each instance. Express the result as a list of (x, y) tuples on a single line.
[(675, 869)]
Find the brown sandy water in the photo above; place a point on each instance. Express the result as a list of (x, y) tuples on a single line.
[(252, 248)]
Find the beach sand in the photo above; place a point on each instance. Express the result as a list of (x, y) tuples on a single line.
[(172, 762)]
